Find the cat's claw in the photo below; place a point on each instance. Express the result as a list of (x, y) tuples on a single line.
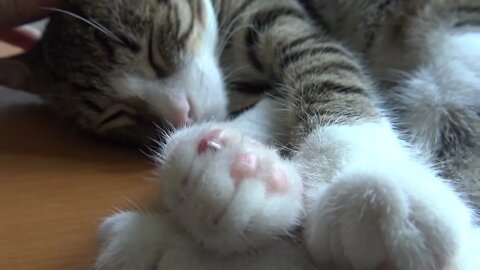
[(234, 192)]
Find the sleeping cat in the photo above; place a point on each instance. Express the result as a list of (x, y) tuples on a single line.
[(352, 196)]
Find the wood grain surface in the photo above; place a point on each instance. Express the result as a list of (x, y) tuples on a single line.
[(57, 184)]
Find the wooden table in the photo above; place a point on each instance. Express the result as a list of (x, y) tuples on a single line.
[(56, 185)]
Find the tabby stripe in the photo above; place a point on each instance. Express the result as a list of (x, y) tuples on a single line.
[(107, 47), (183, 38), (467, 23), (468, 9), (260, 22), (331, 67), (297, 56), (473, 20), (200, 12), (220, 11), (169, 7), (234, 17), (241, 9), (92, 106), (297, 42), (319, 20), (250, 88), (238, 112), (177, 23), (160, 71), (99, 36), (115, 116), (331, 86), (129, 43)]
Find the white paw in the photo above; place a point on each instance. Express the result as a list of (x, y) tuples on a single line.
[(131, 240), (228, 191), (384, 221)]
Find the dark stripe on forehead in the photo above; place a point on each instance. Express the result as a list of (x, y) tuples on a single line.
[(261, 21), (129, 43), (200, 11), (184, 37), (161, 72), (175, 17)]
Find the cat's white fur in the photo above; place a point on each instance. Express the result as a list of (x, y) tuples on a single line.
[(364, 200), (367, 202), (448, 77)]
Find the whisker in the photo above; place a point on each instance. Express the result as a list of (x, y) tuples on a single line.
[(90, 22)]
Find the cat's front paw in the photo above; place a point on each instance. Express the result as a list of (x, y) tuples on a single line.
[(132, 240), (227, 190), (390, 220)]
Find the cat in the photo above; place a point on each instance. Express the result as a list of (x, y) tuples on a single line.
[(350, 181), (353, 194)]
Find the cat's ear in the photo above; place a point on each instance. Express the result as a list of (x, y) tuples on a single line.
[(22, 72)]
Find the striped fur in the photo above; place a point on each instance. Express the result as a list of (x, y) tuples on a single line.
[(165, 62), (312, 53), (366, 200)]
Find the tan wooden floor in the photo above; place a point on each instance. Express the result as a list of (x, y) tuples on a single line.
[(56, 185)]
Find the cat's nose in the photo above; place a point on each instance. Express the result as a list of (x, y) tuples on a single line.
[(182, 113)]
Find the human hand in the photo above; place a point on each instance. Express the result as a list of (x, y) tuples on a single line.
[(18, 12)]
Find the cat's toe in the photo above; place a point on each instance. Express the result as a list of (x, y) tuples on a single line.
[(114, 226), (228, 190)]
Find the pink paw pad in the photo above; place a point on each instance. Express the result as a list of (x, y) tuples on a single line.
[(244, 165), (277, 181), (213, 140)]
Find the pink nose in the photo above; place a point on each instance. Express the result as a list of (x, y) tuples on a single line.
[(181, 114)]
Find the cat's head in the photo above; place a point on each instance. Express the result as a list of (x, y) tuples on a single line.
[(122, 68)]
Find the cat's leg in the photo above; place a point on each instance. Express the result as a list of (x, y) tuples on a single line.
[(437, 104), (381, 207), (282, 254), (134, 240), (151, 240), (228, 190), (344, 140)]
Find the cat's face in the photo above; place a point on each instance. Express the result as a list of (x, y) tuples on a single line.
[(145, 64)]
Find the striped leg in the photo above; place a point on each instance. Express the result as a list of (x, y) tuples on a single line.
[(369, 203)]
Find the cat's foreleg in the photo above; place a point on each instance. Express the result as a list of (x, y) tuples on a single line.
[(133, 240), (382, 208)]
